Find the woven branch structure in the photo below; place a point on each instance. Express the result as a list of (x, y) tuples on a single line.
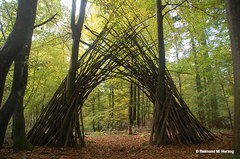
[(123, 49)]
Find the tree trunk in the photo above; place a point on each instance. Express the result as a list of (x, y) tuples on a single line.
[(130, 105), (138, 108), (199, 86), (76, 35), (67, 132), (99, 110), (134, 104), (233, 16), (179, 74), (159, 132), (20, 141), (147, 108), (11, 48), (207, 105), (16, 39), (93, 111), (142, 110), (212, 98), (112, 99), (225, 99), (109, 107)]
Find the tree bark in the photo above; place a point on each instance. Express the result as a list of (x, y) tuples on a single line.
[(159, 133), (161, 92), (143, 110), (9, 51), (76, 35), (16, 39), (134, 104), (112, 99), (99, 110), (93, 111), (130, 105), (233, 16), (109, 107), (179, 74), (20, 141), (67, 132), (198, 85), (138, 108)]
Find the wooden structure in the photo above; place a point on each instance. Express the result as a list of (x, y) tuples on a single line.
[(109, 56)]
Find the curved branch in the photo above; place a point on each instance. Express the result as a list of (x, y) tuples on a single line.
[(177, 5), (4, 37), (45, 22)]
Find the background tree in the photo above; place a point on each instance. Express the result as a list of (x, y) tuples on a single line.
[(11, 48), (233, 15)]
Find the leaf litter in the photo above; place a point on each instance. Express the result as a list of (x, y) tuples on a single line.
[(123, 146)]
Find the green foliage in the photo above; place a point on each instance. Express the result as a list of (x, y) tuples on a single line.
[(204, 25), (103, 112), (200, 21), (8, 16)]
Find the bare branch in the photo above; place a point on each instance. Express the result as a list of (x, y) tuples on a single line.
[(45, 22), (4, 37), (177, 5), (197, 8), (85, 43)]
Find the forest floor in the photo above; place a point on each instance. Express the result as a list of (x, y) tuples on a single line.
[(108, 145)]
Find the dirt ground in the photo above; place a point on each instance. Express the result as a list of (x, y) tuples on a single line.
[(125, 146)]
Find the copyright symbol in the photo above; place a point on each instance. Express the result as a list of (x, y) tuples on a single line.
[(197, 151)]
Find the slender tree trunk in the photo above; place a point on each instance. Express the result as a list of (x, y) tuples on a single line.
[(212, 97), (147, 108), (207, 105), (161, 92), (9, 51), (76, 35), (93, 111), (109, 107), (142, 110), (134, 104), (138, 108), (67, 132), (99, 110), (201, 113), (179, 75), (112, 116), (225, 98), (159, 132), (130, 105), (233, 16)]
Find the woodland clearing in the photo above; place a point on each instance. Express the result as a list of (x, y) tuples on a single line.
[(109, 145)]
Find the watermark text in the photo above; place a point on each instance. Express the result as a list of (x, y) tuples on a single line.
[(214, 151)]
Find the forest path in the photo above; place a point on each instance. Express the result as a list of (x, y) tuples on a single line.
[(123, 146)]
